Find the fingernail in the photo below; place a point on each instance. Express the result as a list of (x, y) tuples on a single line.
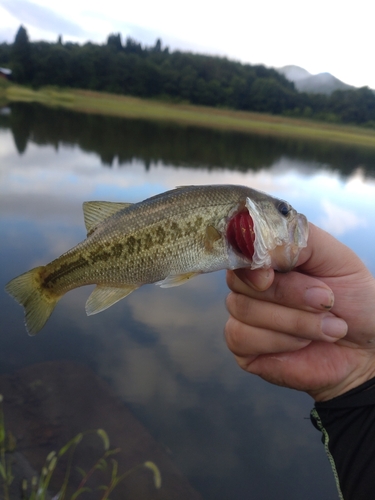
[(260, 280), (319, 298), (334, 327)]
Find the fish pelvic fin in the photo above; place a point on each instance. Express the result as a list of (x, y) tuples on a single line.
[(176, 279), (104, 296), (95, 212), (38, 303)]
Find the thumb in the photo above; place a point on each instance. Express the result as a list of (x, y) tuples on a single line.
[(326, 256)]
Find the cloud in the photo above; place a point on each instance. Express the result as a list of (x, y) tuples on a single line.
[(41, 17), (337, 220), (7, 35)]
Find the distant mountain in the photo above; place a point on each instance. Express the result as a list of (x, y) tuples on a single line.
[(322, 83), (294, 73)]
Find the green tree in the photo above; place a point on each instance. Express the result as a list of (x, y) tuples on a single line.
[(114, 41), (153, 71), (157, 47), (5, 54), (21, 57), (354, 105), (271, 96), (133, 47)]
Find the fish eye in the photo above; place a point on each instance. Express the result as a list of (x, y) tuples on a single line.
[(283, 208)]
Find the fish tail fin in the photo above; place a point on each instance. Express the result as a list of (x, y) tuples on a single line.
[(38, 303)]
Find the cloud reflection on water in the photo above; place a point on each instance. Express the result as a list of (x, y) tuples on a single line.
[(56, 183), (337, 220), (163, 349), (169, 361)]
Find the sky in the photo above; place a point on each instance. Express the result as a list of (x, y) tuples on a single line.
[(334, 36)]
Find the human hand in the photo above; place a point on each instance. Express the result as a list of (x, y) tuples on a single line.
[(312, 329)]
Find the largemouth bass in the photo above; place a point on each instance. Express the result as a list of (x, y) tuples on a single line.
[(167, 239)]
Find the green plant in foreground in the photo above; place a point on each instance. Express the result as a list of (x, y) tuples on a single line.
[(7, 445), (37, 488)]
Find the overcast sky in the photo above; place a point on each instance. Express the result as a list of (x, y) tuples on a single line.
[(325, 35)]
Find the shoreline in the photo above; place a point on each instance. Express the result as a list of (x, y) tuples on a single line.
[(187, 114)]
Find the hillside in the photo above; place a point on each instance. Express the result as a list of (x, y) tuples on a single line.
[(180, 77), (322, 83)]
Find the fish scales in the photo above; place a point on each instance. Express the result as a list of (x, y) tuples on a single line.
[(149, 239), (168, 238)]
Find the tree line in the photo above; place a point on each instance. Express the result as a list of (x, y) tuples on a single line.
[(156, 72), (119, 141)]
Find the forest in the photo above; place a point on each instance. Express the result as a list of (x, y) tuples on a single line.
[(156, 72)]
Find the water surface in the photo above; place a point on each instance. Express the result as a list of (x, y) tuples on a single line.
[(162, 350)]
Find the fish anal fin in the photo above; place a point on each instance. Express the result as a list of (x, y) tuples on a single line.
[(176, 279), (212, 235), (104, 296), (95, 212)]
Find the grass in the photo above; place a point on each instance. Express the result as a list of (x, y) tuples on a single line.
[(37, 489), (186, 114)]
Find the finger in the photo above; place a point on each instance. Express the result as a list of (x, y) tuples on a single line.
[(326, 256), (293, 289), (259, 279), (278, 318), (249, 341)]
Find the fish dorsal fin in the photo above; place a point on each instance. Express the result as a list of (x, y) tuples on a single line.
[(95, 212), (105, 296)]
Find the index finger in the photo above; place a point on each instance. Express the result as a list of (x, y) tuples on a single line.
[(293, 289)]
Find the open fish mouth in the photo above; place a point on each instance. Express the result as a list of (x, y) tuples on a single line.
[(277, 244)]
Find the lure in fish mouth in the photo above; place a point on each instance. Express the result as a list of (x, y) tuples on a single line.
[(167, 239)]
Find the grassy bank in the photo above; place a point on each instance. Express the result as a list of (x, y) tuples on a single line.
[(132, 107)]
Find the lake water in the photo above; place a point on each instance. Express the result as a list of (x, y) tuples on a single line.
[(162, 351)]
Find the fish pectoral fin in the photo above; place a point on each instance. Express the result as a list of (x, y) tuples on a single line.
[(95, 212), (176, 280), (105, 296)]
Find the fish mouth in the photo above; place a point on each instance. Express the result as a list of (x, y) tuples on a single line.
[(241, 235), (298, 233), (264, 240), (278, 242), (301, 232)]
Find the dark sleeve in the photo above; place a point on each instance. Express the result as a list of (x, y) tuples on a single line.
[(347, 424)]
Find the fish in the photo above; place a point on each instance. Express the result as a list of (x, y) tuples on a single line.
[(167, 239)]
